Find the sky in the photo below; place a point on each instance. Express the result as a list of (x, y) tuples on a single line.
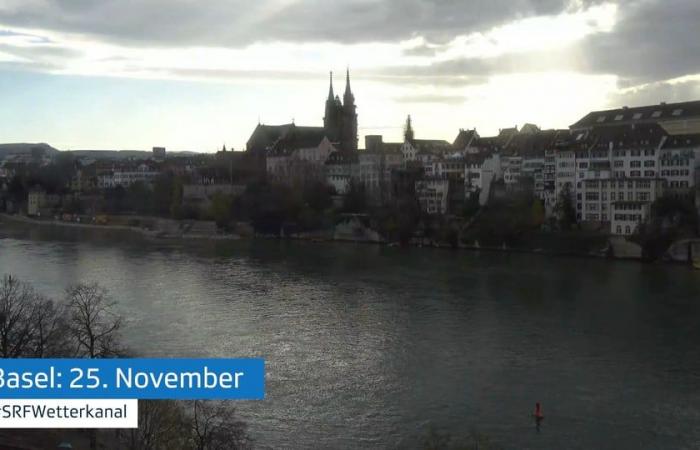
[(193, 75)]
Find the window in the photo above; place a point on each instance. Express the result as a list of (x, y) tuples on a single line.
[(656, 114), (650, 163), (619, 117), (619, 163), (637, 116), (636, 164), (677, 112), (601, 119)]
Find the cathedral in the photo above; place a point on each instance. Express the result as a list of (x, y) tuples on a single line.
[(340, 122), (339, 126)]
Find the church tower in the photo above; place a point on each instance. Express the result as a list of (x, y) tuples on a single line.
[(349, 135), (340, 121), (331, 121), (408, 131)]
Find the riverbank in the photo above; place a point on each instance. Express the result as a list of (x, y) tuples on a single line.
[(571, 244), (159, 234)]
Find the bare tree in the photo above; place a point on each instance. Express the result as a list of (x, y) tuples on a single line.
[(162, 426), (93, 326), (31, 325), (50, 335), (92, 323), (214, 426)]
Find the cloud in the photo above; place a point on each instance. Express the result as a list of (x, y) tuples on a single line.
[(654, 40), (653, 93), (450, 44), (236, 23), (432, 98)]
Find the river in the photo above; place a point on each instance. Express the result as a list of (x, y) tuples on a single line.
[(366, 347)]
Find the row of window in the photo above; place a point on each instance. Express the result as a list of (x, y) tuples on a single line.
[(628, 207), (629, 217), (675, 162), (628, 229), (640, 184), (595, 196), (675, 173)]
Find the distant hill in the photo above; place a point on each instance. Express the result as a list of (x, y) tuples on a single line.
[(121, 154), (25, 148)]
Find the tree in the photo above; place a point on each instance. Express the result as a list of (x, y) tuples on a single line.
[(176, 198), (220, 209), (471, 205), (92, 323), (214, 426), (564, 208), (30, 324), (671, 218), (355, 200), (140, 197), (318, 196), (93, 326), (538, 213), (162, 426), (163, 190)]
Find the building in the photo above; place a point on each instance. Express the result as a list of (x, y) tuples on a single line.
[(36, 200), (675, 118), (340, 120), (679, 159), (433, 194), (299, 156), (200, 195), (126, 174), (159, 153), (340, 170), (599, 200)]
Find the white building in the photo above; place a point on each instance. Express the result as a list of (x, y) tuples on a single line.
[(127, 175), (598, 199)]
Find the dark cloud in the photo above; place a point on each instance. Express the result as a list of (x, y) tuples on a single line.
[(652, 41), (233, 23), (654, 93)]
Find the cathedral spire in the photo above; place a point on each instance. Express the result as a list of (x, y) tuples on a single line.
[(408, 131), (347, 82), (331, 96)]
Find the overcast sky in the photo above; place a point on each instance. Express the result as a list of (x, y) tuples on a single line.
[(193, 75)]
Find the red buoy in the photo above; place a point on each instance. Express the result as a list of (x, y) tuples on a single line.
[(538, 411)]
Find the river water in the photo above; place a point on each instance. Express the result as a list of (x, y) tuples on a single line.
[(368, 347)]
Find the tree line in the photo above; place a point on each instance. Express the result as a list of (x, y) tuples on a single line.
[(84, 324)]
